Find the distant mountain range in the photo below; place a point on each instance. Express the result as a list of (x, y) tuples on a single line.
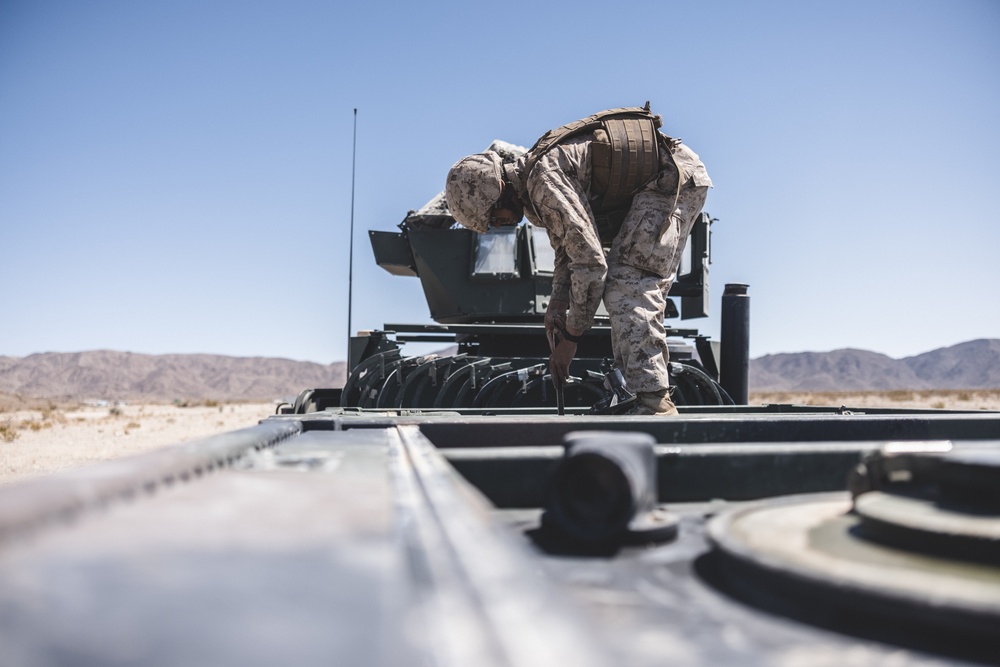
[(104, 374), (971, 365)]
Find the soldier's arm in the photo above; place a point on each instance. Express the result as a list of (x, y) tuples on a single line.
[(561, 202)]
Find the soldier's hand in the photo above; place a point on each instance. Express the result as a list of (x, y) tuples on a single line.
[(555, 315), (560, 360)]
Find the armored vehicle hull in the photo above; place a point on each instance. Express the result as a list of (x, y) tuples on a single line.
[(785, 535)]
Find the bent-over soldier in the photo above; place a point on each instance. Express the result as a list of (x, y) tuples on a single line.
[(618, 200)]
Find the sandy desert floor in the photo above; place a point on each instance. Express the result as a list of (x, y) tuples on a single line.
[(46, 440), (942, 399), (50, 438)]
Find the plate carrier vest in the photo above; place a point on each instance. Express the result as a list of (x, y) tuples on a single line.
[(624, 157)]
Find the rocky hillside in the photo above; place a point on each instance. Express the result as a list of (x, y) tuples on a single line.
[(104, 374), (971, 365)]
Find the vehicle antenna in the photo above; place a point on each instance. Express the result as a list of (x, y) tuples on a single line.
[(350, 256)]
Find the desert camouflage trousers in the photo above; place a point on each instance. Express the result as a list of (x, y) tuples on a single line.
[(635, 296)]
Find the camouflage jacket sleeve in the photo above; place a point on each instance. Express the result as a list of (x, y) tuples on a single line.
[(692, 169), (558, 187)]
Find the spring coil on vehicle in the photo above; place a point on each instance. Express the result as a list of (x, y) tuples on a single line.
[(388, 381), (532, 387), (693, 386), (365, 382)]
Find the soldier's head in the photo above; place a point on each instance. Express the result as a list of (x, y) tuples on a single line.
[(479, 196)]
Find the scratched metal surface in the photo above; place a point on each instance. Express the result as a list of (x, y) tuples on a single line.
[(331, 541)]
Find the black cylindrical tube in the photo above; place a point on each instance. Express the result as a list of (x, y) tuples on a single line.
[(605, 480), (734, 371)]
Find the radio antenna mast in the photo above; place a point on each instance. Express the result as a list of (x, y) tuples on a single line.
[(350, 256)]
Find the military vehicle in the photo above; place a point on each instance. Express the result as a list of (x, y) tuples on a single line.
[(415, 518), (488, 294)]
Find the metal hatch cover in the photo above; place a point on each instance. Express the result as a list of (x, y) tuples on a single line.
[(808, 551)]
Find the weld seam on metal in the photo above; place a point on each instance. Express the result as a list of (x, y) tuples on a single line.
[(519, 615), (438, 590)]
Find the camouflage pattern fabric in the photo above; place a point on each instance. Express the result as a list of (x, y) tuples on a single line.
[(635, 276), (639, 278), (558, 189), (472, 187), (655, 230), (644, 258)]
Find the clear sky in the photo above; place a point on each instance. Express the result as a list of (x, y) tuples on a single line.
[(176, 176)]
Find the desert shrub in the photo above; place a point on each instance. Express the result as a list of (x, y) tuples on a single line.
[(32, 425), (53, 414), (7, 431)]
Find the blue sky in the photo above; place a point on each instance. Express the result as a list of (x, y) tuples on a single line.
[(176, 176)]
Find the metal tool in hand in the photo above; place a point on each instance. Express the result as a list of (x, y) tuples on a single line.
[(557, 382)]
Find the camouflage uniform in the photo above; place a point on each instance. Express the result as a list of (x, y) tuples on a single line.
[(636, 274)]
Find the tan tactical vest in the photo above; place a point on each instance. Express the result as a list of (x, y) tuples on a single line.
[(624, 157)]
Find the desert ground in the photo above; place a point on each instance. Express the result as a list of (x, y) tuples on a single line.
[(52, 437), (47, 437), (938, 399)]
